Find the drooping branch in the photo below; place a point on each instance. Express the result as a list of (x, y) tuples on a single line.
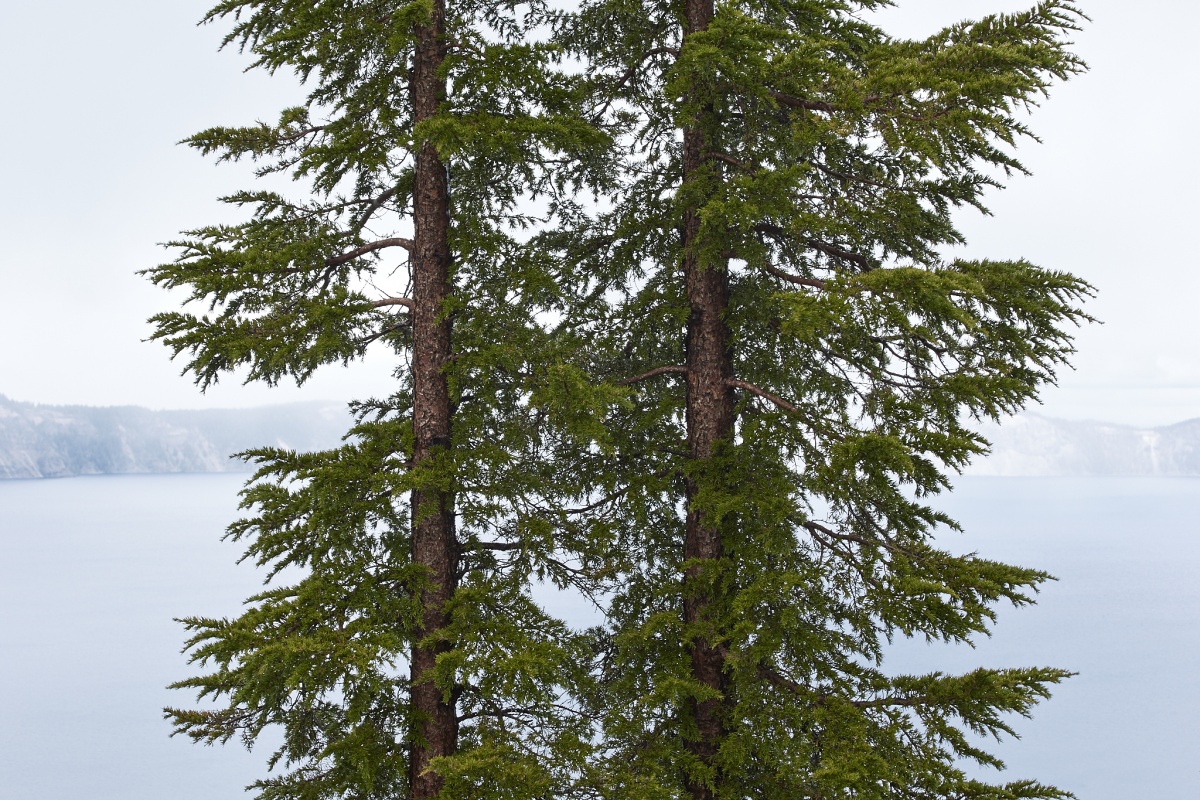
[(350, 255), (763, 393), (652, 373)]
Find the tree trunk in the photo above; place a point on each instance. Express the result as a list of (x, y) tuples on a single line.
[(434, 543), (710, 420)]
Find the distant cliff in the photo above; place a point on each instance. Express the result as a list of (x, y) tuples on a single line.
[(1035, 445), (57, 441), (39, 441)]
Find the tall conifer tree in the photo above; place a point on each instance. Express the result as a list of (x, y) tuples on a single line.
[(804, 363), (406, 657)]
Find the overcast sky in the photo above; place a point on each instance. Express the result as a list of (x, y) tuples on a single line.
[(95, 95)]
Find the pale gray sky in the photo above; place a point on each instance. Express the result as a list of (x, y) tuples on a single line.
[(96, 95)]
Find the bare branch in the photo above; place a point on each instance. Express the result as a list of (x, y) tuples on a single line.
[(395, 301), (350, 255), (652, 373), (763, 393), (787, 276), (817, 528), (370, 210)]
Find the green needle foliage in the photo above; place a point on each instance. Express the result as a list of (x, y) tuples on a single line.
[(720, 399), (320, 271), (775, 267)]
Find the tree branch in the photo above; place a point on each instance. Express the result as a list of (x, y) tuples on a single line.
[(776, 678), (791, 101), (652, 373), (350, 255), (727, 159), (375, 205), (634, 67), (395, 301), (495, 546), (779, 234), (787, 276), (885, 702), (816, 527), (763, 393), (828, 249)]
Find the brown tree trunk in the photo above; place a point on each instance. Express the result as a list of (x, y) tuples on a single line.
[(710, 420), (434, 543)]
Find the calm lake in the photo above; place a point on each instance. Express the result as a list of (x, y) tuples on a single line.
[(92, 571)]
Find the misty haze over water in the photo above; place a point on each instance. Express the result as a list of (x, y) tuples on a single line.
[(93, 569)]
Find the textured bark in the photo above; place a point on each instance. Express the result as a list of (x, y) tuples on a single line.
[(710, 420), (434, 543)]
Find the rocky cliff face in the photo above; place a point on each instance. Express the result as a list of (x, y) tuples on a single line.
[(58, 441)]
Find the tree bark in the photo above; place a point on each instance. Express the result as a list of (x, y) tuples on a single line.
[(434, 542), (710, 420)]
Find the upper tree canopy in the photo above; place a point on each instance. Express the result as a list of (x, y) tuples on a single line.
[(832, 160)]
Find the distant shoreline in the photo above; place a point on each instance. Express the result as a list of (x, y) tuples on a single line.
[(41, 441)]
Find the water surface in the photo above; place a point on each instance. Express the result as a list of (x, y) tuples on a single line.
[(92, 571)]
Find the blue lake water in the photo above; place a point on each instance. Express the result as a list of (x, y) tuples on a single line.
[(92, 571)]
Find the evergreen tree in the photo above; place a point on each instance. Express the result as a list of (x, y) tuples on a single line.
[(399, 650), (804, 363)]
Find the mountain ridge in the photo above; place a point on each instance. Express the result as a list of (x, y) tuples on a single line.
[(50, 441), (1031, 444)]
